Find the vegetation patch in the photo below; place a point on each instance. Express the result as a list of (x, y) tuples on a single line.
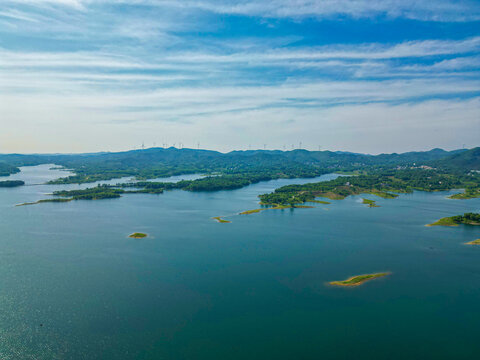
[(358, 279), (466, 219), (384, 195), (220, 220), (138, 235), (370, 203), (254, 211), (276, 207)]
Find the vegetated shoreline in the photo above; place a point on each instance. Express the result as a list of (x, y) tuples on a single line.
[(56, 200), (473, 242), (386, 184), (467, 194), (358, 280), (466, 219)]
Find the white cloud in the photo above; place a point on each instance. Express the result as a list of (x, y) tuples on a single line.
[(373, 51), (433, 10), (129, 75)]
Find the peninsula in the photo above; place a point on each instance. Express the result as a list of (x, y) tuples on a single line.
[(466, 219), (473, 242)]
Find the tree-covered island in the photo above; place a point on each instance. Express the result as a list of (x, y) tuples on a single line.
[(12, 183)]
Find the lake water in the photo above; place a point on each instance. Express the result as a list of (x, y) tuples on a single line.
[(74, 286)]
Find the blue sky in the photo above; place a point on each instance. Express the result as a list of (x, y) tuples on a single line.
[(360, 75)]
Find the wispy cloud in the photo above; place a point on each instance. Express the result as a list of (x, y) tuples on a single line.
[(188, 68), (435, 10)]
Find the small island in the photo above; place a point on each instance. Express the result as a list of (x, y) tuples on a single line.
[(358, 279), (466, 219), (473, 242), (220, 220), (12, 183), (370, 203), (138, 235)]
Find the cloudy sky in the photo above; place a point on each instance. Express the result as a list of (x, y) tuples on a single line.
[(357, 75)]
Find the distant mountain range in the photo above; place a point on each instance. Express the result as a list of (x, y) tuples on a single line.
[(167, 161)]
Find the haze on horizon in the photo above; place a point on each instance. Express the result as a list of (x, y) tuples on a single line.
[(362, 76)]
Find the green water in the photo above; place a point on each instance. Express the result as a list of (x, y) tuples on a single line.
[(74, 286)]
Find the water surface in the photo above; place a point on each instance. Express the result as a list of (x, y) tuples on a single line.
[(74, 286)]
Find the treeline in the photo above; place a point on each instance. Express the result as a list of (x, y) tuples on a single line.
[(467, 218), (96, 193), (11, 183)]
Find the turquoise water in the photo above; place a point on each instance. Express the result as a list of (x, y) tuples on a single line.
[(74, 286)]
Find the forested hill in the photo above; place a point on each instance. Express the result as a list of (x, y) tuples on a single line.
[(7, 169), (465, 160), (160, 162)]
